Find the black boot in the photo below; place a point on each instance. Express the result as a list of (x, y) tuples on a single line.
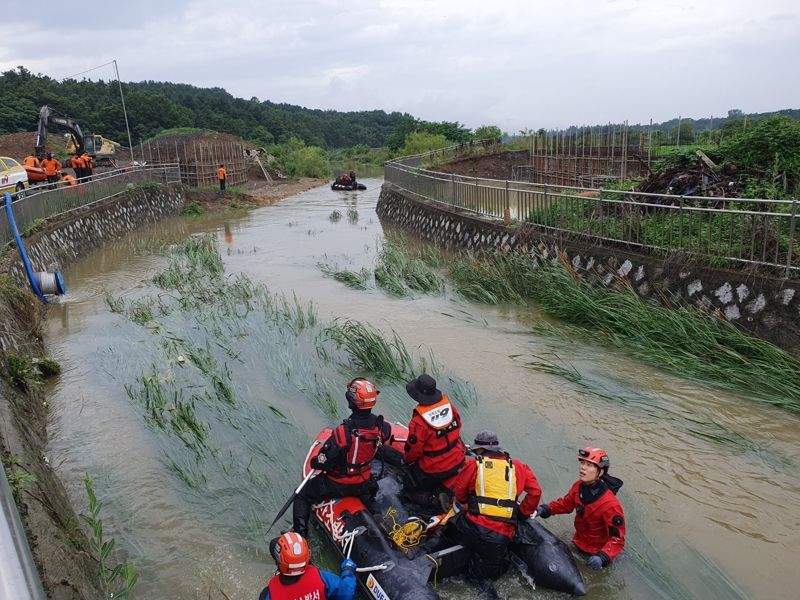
[(301, 511)]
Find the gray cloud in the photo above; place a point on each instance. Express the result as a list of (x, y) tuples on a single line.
[(513, 63)]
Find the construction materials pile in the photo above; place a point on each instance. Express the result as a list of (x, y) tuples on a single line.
[(700, 177)]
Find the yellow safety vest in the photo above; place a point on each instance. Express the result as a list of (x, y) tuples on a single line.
[(495, 489)]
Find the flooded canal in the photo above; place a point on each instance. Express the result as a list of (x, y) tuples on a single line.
[(712, 479)]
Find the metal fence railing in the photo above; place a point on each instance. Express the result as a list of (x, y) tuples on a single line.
[(730, 231), (42, 202)]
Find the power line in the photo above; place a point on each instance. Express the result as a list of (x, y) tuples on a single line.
[(111, 62)]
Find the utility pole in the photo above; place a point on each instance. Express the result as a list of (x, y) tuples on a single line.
[(125, 112)]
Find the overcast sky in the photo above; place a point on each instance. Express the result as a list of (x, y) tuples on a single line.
[(512, 63)]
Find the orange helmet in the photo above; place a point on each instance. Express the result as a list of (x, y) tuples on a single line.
[(596, 456), (291, 554), (361, 394)]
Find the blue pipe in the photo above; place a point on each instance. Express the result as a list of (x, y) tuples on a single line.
[(22, 253)]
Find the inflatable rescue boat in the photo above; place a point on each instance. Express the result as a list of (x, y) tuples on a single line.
[(36, 174), (348, 186), (401, 554)]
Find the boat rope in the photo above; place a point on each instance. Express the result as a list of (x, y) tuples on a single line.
[(407, 535), (435, 570)]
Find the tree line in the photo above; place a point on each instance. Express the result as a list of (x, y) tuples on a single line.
[(155, 106)]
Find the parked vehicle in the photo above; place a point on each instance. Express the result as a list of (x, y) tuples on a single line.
[(13, 176)]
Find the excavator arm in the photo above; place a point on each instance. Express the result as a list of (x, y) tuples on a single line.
[(46, 118)]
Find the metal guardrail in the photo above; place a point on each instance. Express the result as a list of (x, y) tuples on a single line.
[(18, 576), (729, 231), (43, 202)]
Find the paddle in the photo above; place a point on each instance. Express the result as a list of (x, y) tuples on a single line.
[(309, 477)]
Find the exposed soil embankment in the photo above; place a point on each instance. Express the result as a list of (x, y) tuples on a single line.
[(494, 166), (57, 542)]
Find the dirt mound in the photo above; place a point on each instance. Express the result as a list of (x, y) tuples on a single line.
[(494, 166), (20, 145)]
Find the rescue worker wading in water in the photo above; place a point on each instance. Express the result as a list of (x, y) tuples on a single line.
[(599, 520), (490, 486), (297, 579), (346, 456), (434, 452)]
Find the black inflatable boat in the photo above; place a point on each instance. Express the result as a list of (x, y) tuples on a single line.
[(400, 557), (348, 186)]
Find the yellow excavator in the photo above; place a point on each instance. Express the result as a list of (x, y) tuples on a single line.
[(101, 149)]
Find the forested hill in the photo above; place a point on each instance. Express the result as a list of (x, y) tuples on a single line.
[(154, 106)]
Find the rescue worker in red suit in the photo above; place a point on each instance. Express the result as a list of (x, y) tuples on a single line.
[(298, 580), (434, 452), (345, 460), (599, 520), (490, 487)]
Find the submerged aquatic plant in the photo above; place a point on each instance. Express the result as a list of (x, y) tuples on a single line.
[(352, 279), (369, 350), (335, 216), (398, 269), (352, 216)]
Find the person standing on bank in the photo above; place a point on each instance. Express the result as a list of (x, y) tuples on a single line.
[(77, 166), (297, 579), (490, 486), (88, 165), (222, 175), (434, 452), (52, 168), (599, 520), (346, 456)]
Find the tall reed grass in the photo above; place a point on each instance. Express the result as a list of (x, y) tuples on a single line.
[(682, 339), (370, 351)]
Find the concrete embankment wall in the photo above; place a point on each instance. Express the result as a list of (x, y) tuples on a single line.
[(79, 232), (59, 547), (766, 306)]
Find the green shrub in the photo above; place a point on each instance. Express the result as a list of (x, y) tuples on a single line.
[(419, 142), (193, 209)]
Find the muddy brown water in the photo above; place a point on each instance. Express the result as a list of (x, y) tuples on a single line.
[(711, 478)]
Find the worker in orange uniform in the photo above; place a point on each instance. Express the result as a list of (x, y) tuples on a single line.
[(77, 166), (599, 520), (51, 167), (69, 180), (88, 164), (221, 175), (30, 161)]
